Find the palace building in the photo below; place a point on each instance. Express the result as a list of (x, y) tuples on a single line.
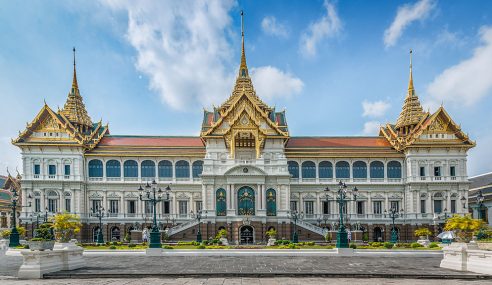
[(245, 172)]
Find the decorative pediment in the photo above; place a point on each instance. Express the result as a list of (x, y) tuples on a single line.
[(378, 196), (113, 195), (245, 170), (309, 196), (197, 195), (182, 196), (395, 196), (131, 195), (96, 195), (294, 195)]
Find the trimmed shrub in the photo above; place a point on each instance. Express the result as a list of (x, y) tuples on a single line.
[(286, 242), (167, 247), (201, 246), (112, 247), (311, 243), (353, 245), (433, 245), (292, 246), (416, 245), (132, 245), (388, 245), (115, 243)]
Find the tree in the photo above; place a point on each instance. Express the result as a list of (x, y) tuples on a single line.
[(271, 233), (65, 225), (423, 232), (464, 226)]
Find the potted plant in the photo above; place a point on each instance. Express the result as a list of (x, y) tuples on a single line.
[(464, 226), (65, 226), (222, 236), (43, 239), (423, 234), (271, 234)]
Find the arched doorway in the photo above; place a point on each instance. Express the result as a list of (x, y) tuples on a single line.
[(246, 235), (246, 201), (115, 234), (95, 231), (377, 234)]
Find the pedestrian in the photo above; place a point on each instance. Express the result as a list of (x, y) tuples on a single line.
[(145, 236), (349, 235)]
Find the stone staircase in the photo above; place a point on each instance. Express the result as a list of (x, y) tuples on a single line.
[(313, 228), (181, 227)]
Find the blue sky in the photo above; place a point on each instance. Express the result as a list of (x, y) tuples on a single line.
[(338, 67)]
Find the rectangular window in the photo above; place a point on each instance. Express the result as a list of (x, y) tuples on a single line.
[(326, 207), (198, 206), (293, 205), (96, 204), (422, 171), (309, 207), (360, 207), (37, 169), (114, 206), (131, 207), (53, 205), (377, 207), (37, 205), (165, 207), (395, 205), (453, 206), (437, 171), (183, 207), (68, 204), (148, 207), (51, 169), (422, 206), (67, 170), (452, 171), (437, 206)]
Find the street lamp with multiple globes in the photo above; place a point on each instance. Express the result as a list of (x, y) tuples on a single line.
[(14, 234), (199, 217), (342, 199), (393, 214), (295, 216), (154, 195), (99, 213)]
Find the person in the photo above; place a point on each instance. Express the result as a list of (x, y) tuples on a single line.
[(349, 236), (145, 235)]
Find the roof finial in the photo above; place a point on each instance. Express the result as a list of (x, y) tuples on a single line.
[(243, 69), (410, 82), (75, 86)]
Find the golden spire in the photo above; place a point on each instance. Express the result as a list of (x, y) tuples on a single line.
[(74, 108), (412, 111), (243, 68)]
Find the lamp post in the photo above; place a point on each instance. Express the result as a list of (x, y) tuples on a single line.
[(199, 217), (393, 214), (319, 221), (154, 195), (99, 213), (342, 199), (295, 216), (14, 234)]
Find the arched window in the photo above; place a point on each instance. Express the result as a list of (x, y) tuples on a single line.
[(148, 169), (293, 169), (130, 168), (308, 169), (95, 168), (95, 231), (342, 169), (271, 202), (377, 169), (394, 169), (220, 202), (115, 234), (325, 169), (246, 201), (359, 169), (197, 168), (182, 169), (165, 169), (113, 168)]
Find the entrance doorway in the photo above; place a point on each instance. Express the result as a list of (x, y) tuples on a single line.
[(246, 235), (378, 234)]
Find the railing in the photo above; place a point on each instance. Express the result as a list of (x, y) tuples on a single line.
[(312, 227), (181, 227)]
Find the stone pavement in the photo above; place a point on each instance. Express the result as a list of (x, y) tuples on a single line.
[(263, 266), (239, 281)]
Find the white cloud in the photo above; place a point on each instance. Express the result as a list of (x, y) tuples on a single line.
[(375, 109), (270, 26), (182, 47), (271, 83), (327, 26), (371, 128), (405, 15), (468, 81)]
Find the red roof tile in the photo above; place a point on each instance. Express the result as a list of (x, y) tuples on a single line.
[(151, 141), (301, 142)]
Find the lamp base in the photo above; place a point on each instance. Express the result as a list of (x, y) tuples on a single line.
[(155, 239), (342, 239), (14, 238)]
